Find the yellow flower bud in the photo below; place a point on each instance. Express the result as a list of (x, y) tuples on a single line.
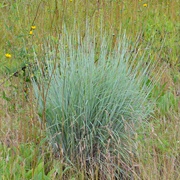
[(144, 5), (33, 27), (8, 55)]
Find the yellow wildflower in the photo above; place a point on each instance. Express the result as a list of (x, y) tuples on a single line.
[(8, 55), (144, 5), (70, 0), (31, 32), (33, 27)]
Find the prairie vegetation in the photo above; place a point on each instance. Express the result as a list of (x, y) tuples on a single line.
[(89, 89)]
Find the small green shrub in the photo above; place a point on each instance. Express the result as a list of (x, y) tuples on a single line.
[(90, 97)]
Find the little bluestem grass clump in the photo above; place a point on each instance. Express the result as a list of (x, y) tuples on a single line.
[(92, 98)]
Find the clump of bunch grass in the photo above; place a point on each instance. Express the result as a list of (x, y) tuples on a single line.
[(91, 98)]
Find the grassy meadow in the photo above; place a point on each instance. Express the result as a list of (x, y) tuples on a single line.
[(90, 89)]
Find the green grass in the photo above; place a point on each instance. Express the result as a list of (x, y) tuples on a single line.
[(156, 26)]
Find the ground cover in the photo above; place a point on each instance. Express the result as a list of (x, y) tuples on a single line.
[(26, 26)]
